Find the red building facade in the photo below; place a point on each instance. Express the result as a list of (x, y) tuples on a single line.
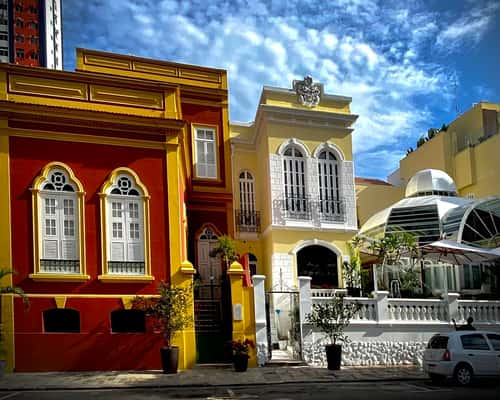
[(112, 171)]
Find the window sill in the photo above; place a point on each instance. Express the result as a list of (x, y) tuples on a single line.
[(48, 277), (126, 278)]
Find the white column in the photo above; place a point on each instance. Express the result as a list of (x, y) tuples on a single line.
[(305, 309), (259, 296), (381, 305), (305, 297), (452, 300)]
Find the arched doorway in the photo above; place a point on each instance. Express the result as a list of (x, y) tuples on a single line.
[(209, 268), (320, 263)]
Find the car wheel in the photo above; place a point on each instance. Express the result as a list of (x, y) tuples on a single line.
[(436, 378), (463, 375)]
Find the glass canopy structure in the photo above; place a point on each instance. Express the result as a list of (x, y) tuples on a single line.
[(432, 211)]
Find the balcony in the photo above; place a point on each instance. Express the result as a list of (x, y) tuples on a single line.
[(296, 208), (331, 210), (247, 221), (306, 209)]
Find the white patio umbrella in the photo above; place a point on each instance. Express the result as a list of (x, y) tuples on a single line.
[(448, 251)]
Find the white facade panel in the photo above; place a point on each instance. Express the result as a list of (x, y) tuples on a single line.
[(53, 34)]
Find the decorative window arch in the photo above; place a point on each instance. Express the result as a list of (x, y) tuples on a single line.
[(247, 218), (58, 225), (125, 240)]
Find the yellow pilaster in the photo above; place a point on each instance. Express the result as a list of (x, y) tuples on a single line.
[(243, 309), (7, 303), (181, 272)]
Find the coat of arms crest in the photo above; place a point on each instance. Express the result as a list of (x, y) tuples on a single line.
[(309, 93)]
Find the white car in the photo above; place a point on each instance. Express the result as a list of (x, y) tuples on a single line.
[(462, 355)]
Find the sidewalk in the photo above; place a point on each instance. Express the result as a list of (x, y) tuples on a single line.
[(203, 376)]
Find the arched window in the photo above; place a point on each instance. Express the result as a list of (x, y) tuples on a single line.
[(252, 264), (58, 207), (247, 217), (294, 178), (125, 225), (328, 174)]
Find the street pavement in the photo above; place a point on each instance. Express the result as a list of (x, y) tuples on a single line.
[(204, 376)]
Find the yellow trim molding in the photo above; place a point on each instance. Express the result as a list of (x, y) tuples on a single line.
[(60, 301), (125, 278), (48, 277), (187, 267)]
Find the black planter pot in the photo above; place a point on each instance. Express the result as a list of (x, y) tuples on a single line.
[(333, 356), (240, 362), (169, 359), (354, 291)]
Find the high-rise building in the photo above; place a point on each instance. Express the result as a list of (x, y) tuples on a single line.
[(30, 33)]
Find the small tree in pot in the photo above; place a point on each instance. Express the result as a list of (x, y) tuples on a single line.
[(171, 314), (332, 317)]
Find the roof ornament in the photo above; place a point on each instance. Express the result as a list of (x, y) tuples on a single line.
[(309, 93)]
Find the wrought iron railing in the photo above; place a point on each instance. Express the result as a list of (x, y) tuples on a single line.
[(331, 210), (247, 221), (304, 208), (296, 208)]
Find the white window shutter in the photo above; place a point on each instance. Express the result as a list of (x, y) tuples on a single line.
[(116, 231), (67, 210), (49, 227), (125, 229), (135, 229)]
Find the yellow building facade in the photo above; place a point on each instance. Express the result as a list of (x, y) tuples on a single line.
[(294, 185), (467, 151)]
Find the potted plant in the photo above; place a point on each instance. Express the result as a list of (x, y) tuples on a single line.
[(4, 289), (170, 312), (239, 353), (332, 317)]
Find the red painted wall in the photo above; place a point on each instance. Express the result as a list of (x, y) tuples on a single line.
[(92, 165), (95, 347)]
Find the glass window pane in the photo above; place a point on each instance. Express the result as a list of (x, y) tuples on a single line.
[(474, 342), (495, 341)]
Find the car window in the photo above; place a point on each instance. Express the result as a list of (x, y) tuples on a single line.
[(495, 341), (438, 342), (474, 342)]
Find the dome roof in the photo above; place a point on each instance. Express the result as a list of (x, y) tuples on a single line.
[(430, 181)]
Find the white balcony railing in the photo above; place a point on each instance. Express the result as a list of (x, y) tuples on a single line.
[(381, 308)]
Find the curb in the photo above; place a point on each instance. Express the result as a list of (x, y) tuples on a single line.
[(206, 385)]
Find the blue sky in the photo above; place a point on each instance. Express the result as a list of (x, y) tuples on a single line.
[(408, 65)]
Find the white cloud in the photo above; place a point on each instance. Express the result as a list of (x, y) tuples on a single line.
[(468, 29), (355, 48)]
